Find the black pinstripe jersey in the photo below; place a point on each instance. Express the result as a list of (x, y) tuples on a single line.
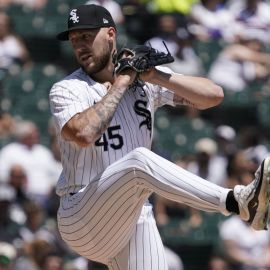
[(131, 126)]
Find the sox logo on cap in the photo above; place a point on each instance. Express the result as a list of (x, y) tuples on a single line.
[(73, 16)]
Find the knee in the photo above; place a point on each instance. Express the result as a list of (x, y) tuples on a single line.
[(140, 153), (138, 159), (137, 163)]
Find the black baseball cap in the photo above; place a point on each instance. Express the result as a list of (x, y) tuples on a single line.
[(87, 17)]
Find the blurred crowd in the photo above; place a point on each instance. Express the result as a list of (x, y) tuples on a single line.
[(224, 40)]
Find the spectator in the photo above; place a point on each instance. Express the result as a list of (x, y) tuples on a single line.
[(139, 22), (217, 262), (12, 48), (252, 15), (179, 42), (6, 124), (35, 256), (240, 169), (207, 163), (37, 160), (167, 31), (18, 180), (53, 261), (245, 248), (244, 61), (7, 256), (9, 229), (225, 137), (34, 226), (39, 226), (211, 19), (251, 142)]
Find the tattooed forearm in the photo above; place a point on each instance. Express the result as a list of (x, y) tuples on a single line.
[(182, 101), (96, 119)]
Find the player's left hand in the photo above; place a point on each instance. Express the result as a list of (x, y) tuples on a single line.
[(140, 59)]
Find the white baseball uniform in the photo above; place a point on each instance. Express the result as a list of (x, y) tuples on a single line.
[(104, 214)]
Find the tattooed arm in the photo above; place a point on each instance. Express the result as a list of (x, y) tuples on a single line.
[(198, 92), (86, 127)]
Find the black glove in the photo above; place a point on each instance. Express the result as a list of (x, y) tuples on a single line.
[(141, 58)]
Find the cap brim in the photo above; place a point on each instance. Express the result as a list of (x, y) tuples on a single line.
[(63, 36)]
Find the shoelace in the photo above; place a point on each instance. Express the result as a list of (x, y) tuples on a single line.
[(249, 189)]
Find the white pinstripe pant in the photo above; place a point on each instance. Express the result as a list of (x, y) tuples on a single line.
[(105, 222)]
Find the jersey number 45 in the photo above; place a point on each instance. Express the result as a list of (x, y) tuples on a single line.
[(111, 138)]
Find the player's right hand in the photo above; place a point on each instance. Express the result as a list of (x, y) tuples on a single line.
[(126, 77)]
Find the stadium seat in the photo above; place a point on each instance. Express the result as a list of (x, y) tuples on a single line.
[(177, 134), (27, 93), (263, 112)]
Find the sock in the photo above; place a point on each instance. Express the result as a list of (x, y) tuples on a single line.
[(231, 203)]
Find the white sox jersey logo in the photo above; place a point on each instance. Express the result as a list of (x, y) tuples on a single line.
[(140, 109), (73, 16)]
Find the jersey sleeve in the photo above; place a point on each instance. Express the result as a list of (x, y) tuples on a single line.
[(65, 102), (162, 96)]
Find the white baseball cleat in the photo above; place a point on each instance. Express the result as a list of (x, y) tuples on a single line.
[(253, 199)]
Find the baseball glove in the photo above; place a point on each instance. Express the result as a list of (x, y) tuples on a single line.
[(141, 58)]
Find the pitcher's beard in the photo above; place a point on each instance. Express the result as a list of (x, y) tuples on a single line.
[(100, 63)]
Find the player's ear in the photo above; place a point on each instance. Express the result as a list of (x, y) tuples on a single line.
[(111, 33), (112, 37)]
